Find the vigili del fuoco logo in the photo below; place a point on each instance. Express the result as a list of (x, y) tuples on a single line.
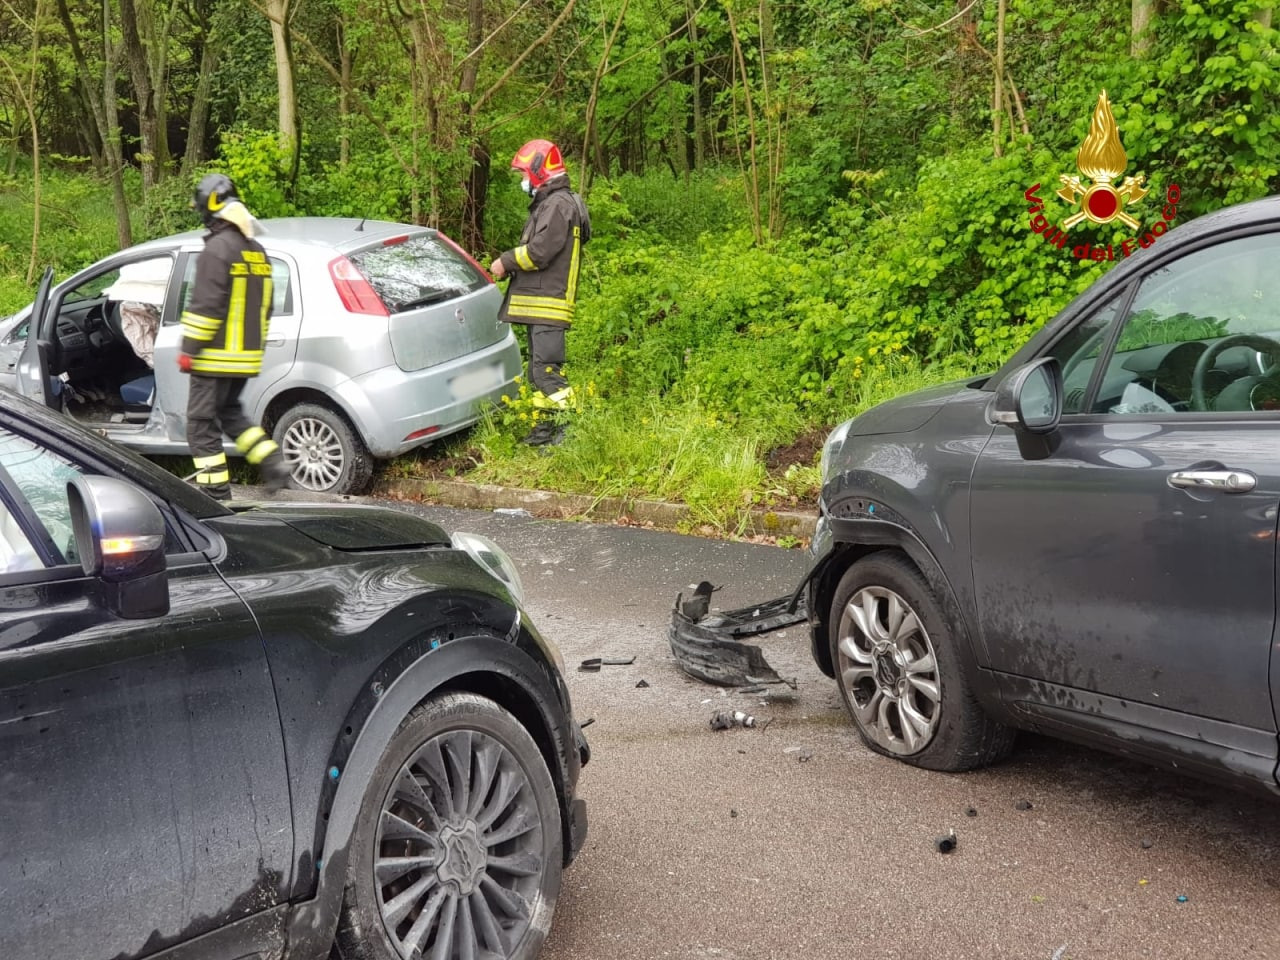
[(1096, 197)]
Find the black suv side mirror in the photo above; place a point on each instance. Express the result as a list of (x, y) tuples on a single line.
[(120, 537), (1030, 401)]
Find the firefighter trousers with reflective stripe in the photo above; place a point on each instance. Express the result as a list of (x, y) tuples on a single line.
[(213, 408), (546, 356)]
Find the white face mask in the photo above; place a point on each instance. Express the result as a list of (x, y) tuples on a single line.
[(526, 186)]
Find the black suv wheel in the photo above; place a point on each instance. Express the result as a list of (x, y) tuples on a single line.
[(458, 848), (899, 672)]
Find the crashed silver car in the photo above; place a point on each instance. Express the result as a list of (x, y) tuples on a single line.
[(383, 337)]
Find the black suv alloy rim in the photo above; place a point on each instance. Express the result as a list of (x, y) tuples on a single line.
[(459, 852)]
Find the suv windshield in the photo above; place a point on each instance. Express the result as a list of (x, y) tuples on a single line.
[(419, 271)]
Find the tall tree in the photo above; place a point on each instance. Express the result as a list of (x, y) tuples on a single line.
[(144, 28), (1143, 12), (280, 13), (25, 87), (102, 98)]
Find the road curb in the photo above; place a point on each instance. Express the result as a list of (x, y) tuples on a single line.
[(577, 506)]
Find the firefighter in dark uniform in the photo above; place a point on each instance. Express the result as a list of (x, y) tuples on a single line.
[(544, 278), (224, 329)]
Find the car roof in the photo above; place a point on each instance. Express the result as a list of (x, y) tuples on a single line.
[(297, 234)]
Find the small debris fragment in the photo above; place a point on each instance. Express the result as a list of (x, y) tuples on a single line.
[(723, 720), (1023, 805), (971, 811), (586, 723), (742, 751), (945, 843), (758, 688), (1146, 844), (593, 664), (804, 756), (1059, 953), (642, 684), (1182, 898), (733, 813), (512, 511), (1143, 882)]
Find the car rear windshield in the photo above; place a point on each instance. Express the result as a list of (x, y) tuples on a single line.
[(417, 272)]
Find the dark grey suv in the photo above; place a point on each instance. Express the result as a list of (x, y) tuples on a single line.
[(1083, 544)]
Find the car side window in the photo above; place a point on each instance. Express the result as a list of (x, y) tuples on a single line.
[(1078, 351), (281, 287), (1202, 335), (41, 477)]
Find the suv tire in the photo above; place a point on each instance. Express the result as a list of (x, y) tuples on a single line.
[(462, 789), (900, 674), (322, 450)]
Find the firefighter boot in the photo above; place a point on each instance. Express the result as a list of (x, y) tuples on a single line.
[(275, 473)]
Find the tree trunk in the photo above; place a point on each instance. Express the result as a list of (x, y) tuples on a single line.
[(346, 63), (140, 75), (103, 106), (590, 141), (477, 180), (699, 140), (1263, 16), (213, 33), (1143, 12), (998, 107), (278, 12)]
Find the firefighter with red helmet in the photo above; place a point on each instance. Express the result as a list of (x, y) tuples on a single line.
[(224, 329), (544, 277)]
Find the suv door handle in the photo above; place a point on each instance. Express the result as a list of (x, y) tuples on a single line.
[(1223, 481)]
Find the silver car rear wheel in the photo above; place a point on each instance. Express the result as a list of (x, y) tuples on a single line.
[(323, 452)]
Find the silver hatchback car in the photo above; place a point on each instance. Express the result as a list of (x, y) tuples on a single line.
[(383, 337)]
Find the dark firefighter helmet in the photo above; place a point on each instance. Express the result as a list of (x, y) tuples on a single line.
[(214, 192), (539, 160)]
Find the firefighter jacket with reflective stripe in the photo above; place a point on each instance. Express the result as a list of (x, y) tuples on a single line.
[(224, 326), (544, 267)]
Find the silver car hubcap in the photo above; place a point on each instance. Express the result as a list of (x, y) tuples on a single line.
[(888, 670), (458, 863), (313, 453)]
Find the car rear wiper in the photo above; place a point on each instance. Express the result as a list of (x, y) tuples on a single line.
[(436, 296)]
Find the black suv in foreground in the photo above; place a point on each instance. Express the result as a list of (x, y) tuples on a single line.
[(243, 733), (1083, 544)]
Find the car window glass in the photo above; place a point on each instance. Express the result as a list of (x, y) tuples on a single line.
[(417, 272), (16, 551), (93, 288), (41, 476), (1078, 351), (1221, 304), (281, 286)]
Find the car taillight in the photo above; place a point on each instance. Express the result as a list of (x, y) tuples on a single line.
[(470, 259), (357, 296)]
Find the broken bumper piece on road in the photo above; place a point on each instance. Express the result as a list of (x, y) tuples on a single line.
[(708, 646)]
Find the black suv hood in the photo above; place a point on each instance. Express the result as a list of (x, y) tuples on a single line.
[(910, 411), (353, 526)]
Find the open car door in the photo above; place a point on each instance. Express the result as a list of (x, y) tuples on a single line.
[(35, 369)]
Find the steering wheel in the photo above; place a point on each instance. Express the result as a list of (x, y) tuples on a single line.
[(1260, 343)]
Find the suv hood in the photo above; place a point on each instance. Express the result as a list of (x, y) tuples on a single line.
[(908, 412), (355, 527)]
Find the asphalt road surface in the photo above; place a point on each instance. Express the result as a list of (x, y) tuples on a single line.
[(792, 840)]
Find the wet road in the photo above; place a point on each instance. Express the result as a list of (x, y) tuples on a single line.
[(794, 841)]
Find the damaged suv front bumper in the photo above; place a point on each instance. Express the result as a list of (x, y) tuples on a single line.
[(709, 647)]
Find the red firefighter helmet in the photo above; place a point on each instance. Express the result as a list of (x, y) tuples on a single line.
[(539, 160)]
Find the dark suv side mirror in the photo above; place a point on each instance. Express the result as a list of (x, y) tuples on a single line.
[(120, 537), (1030, 398), (1030, 401)]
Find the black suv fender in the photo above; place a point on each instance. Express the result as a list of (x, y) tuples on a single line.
[(852, 532)]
